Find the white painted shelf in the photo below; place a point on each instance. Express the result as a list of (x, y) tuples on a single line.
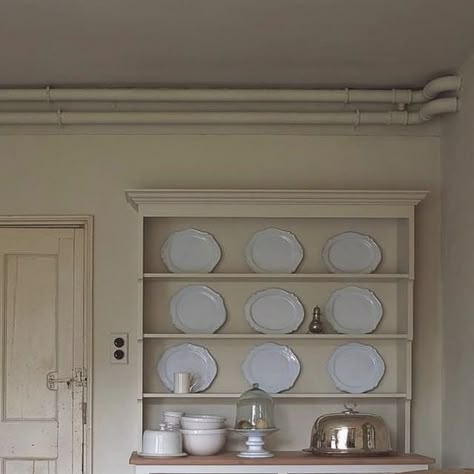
[(277, 395), (314, 216), (388, 277), (334, 337)]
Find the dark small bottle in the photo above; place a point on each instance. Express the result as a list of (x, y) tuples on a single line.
[(316, 326)]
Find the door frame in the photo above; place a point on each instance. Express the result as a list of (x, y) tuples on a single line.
[(85, 222)]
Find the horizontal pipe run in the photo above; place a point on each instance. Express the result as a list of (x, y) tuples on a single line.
[(349, 96), (426, 112), (204, 118), (206, 95)]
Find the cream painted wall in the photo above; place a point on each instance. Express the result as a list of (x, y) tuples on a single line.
[(457, 151), (86, 174)]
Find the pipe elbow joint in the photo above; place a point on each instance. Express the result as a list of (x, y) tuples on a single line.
[(440, 85), (433, 108)]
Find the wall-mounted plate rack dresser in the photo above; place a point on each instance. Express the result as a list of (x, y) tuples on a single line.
[(232, 217)]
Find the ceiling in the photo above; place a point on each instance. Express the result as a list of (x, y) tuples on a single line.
[(233, 43)]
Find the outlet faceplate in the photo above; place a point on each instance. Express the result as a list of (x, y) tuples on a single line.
[(118, 348)]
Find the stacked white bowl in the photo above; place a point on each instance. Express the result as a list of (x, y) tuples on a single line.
[(173, 418), (203, 435)]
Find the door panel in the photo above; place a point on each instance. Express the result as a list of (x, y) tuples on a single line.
[(29, 467), (29, 350), (40, 334)]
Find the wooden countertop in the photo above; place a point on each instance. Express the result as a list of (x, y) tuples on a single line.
[(280, 458)]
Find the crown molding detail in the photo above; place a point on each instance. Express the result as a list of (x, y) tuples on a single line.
[(138, 197)]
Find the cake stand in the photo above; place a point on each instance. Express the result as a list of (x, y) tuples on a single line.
[(255, 442)]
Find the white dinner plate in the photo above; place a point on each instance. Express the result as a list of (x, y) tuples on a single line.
[(356, 368), (197, 309), (351, 252), (187, 358), (273, 367), (273, 251), (353, 310), (190, 251), (274, 311)]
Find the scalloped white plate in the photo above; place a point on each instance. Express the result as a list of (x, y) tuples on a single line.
[(274, 311), (273, 251), (351, 252), (273, 367), (191, 251), (353, 310), (187, 358), (197, 309), (356, 368)]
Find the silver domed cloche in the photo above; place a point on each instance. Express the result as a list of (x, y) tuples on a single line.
[(350, 433)]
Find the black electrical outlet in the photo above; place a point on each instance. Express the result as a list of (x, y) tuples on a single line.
[(118, 348), (119, 354), (119, 342)]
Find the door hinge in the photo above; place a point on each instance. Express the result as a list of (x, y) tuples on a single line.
[(84, 413), (79, 379)]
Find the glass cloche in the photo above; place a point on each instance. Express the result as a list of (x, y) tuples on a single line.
[(254, 410)]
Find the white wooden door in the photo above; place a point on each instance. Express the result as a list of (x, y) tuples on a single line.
[(41, 334)]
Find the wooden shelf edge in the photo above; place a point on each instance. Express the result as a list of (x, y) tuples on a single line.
[(334, 337), (284, 458), (278, 395), (278, 276)]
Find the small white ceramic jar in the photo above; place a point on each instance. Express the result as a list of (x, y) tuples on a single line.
[(162, 442)]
